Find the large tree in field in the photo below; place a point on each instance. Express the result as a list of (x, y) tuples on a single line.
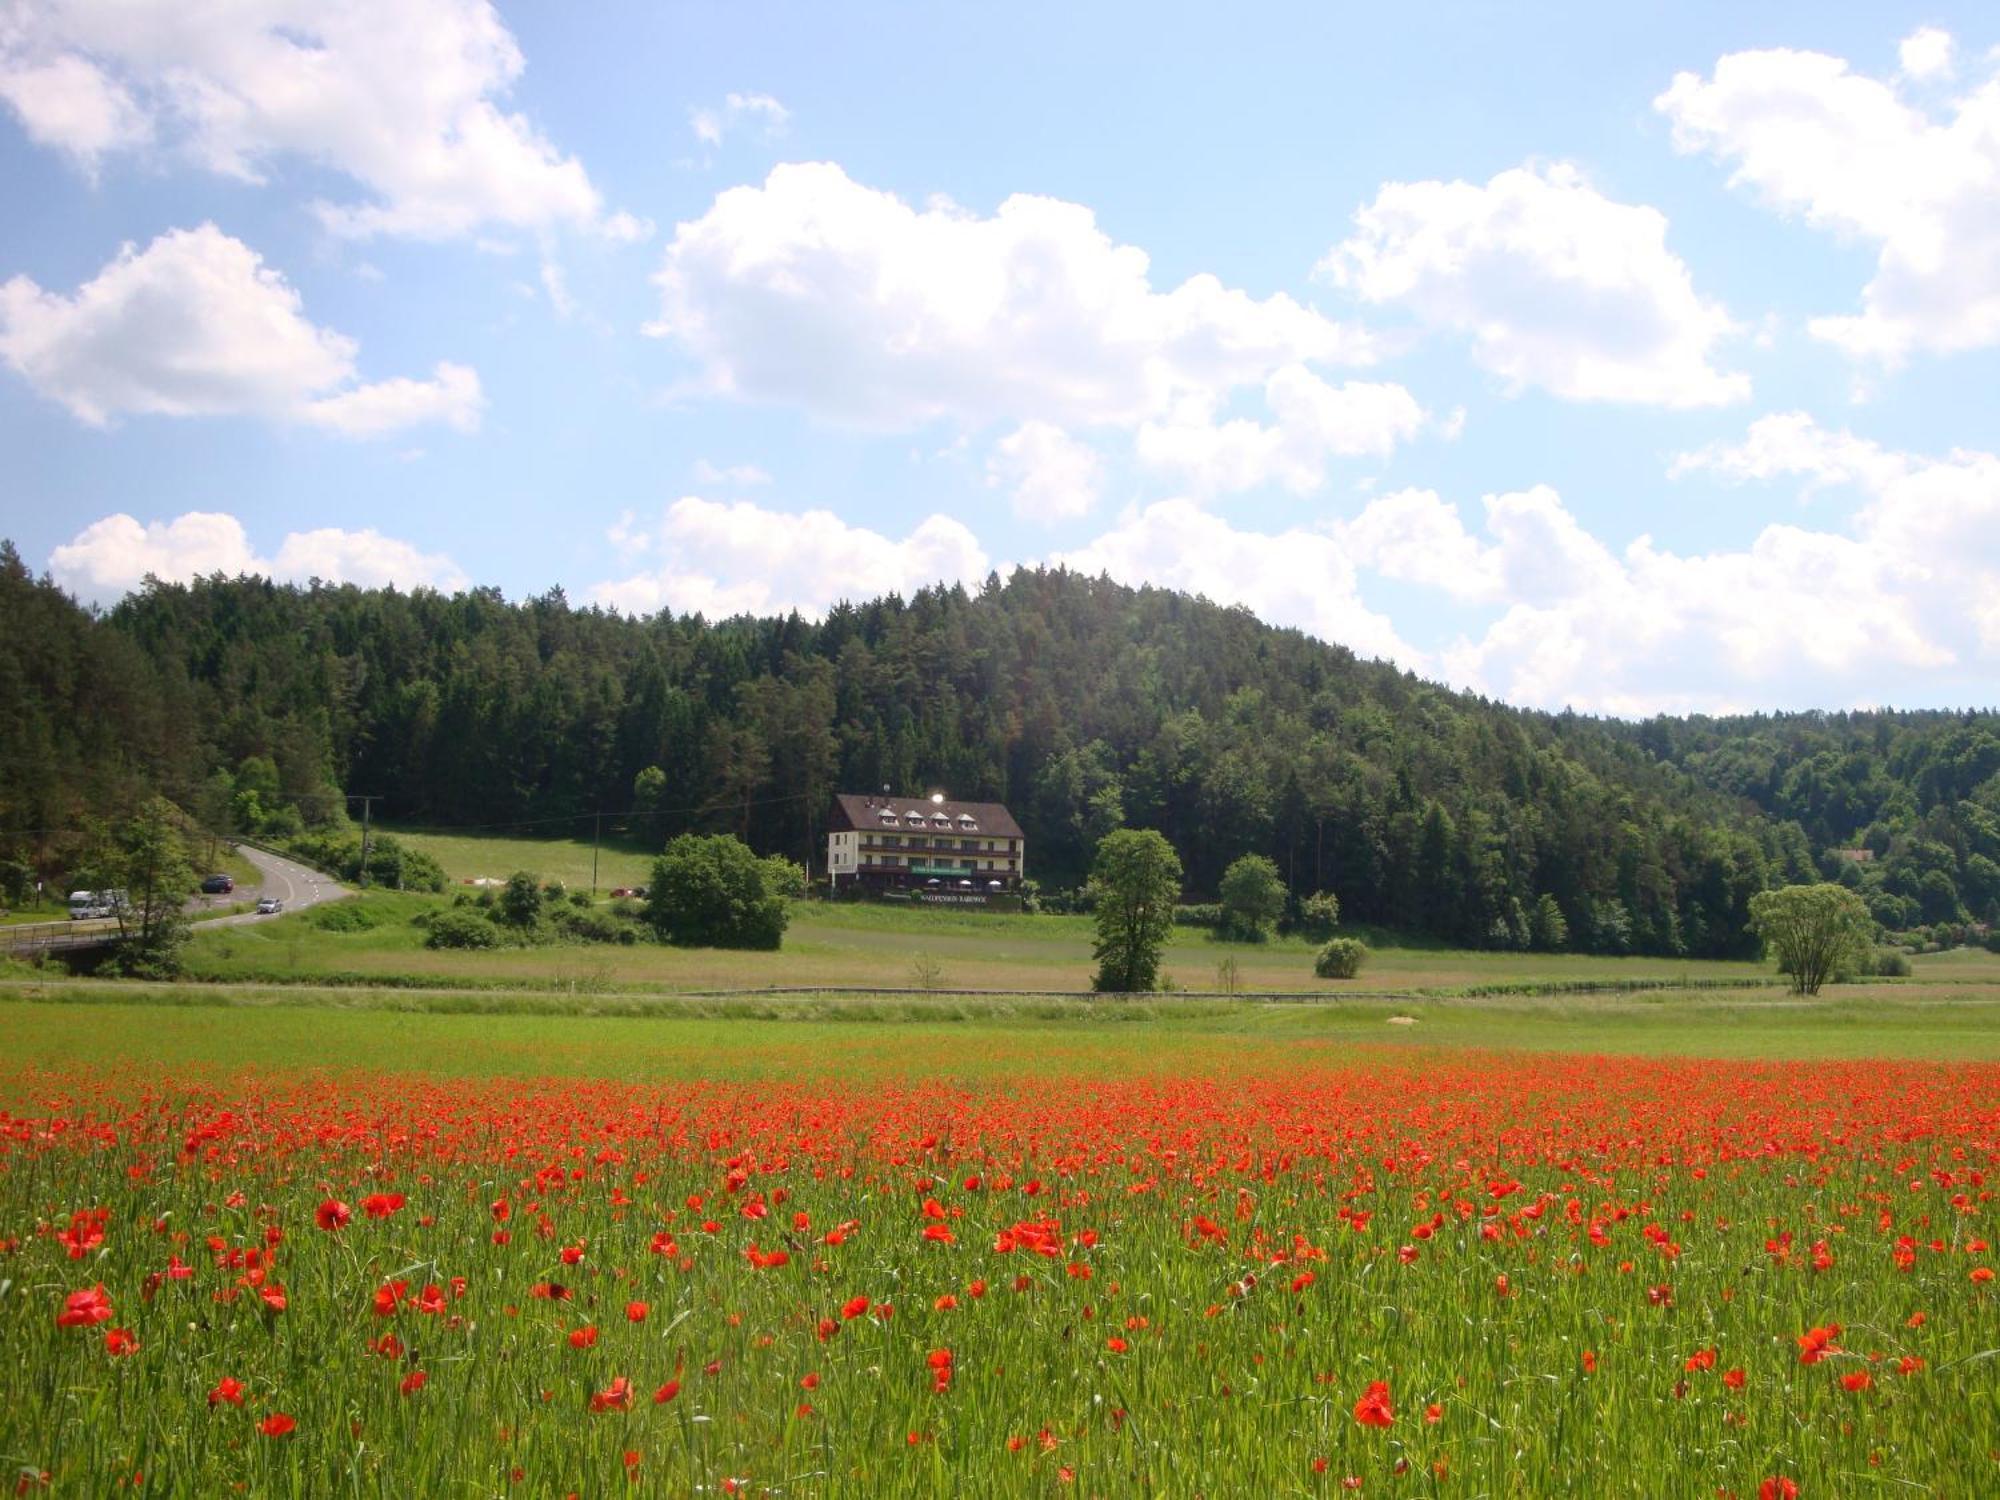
[(710, 891), (1814, 931), (1136, 880), (151, 867), (1253, 898)]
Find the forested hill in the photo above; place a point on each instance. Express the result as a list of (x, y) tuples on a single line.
[(1080, 703), (1913, 798)]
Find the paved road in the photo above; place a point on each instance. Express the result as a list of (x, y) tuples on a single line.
[(291, 882), (297, 885)]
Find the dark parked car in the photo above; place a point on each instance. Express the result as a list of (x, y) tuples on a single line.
[(217, 885)]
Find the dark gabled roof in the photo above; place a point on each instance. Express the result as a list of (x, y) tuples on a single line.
[(855, 810)]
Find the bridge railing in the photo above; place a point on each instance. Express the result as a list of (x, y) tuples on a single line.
[(55, 937)]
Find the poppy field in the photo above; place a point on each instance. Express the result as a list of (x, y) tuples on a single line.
[(1388, 1270)]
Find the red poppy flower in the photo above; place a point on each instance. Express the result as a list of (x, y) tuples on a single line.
[(85, 1309), (1373, 1409), (120, 1341), (854, 1307), (226, 1390), (413, 1382), (635, 1312), (584, 1337), (666, 1393), (1777, 1487), (381, 1205), (615, 1397), (1856, 1380), (276, 1425), (332, 1214)]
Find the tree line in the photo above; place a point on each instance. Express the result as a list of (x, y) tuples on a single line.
[(1084, 705)]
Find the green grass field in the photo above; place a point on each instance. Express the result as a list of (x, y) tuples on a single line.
[(621, 861), (196, 1030), (879, 948)]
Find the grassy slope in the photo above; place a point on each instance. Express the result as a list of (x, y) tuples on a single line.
[(468, 856)]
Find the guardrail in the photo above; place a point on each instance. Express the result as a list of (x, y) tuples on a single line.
[(56, 937)]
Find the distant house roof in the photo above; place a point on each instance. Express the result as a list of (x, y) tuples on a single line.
[(856, 810), (1858, 856)]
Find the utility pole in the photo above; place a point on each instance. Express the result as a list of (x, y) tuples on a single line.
[(367, 807), (596, 837)]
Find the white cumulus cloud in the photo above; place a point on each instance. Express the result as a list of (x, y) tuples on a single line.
[(404, 98), (1556, 286), (1312, 421), (196, 324), (1050, 475), (815, 290), (720, 558), (1926, 53), (1897, 594), (1851, 155), (711, 123), (113, 556)]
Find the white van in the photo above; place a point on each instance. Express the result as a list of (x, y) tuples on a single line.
[(86, 905)]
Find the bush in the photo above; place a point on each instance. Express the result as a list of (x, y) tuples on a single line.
[(1319, 914), (580, 899), (1198, 914), (520, 901), (1891, 963), (461, 929), (1341, 958), (710, 891), (345, 916), (585, 926)]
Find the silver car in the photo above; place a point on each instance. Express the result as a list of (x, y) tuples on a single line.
[(270, 906)]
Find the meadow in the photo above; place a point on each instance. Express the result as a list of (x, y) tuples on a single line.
[(1236, 1248), (878, 948), (640, 1220)]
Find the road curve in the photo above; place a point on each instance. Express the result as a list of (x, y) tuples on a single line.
[(297, 885)]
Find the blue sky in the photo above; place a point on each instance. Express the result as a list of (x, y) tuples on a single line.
[(1630, 358)]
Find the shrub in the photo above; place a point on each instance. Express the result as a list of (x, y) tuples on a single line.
[(583, 925), (1891, 963), (1198, 914), (520, 901), (461, 929), (1319, 914), (580, 899), (1341, 958), (345, 916), (710, 891)]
